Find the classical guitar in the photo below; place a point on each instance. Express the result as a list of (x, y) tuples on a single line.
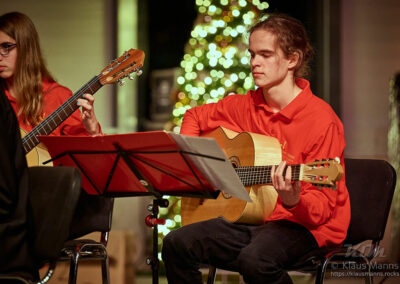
[(249, 153), (125, 65)]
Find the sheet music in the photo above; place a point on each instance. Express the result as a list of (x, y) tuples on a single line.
[(219, 173)]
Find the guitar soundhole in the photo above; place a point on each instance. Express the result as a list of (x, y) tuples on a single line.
[(226, 195), (235, 161)]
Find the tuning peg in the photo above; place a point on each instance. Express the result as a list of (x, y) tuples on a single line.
[(121, 83), (131, 77), (139, 72)]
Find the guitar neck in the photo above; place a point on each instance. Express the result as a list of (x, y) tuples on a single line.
[(262, 174), (59, 115)]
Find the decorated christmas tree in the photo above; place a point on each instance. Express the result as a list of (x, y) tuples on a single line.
[(216, 63)]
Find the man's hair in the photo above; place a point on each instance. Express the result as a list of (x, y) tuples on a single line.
[(30, 68), (291, 37)]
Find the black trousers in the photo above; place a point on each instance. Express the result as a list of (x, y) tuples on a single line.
[(259, 253)]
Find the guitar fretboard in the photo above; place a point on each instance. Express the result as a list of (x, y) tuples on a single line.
[(262, 174), (59, 115)]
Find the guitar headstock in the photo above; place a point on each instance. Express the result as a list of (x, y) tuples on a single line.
[(324, 173), (124, 66)]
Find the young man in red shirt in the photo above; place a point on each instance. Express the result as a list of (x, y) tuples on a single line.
[(304, 217)]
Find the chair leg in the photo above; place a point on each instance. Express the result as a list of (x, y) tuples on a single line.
[(73, 268), (212, 272), (105, 272), (368, 277), (319, 278)]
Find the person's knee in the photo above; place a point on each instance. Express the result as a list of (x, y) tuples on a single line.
[(169, 243), (174, 244), (253, 266)]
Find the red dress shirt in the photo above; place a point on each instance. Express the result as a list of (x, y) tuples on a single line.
[(307, 129)]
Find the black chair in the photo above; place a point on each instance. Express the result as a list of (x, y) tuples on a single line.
[(53, 195), (371, 185), (93, 214)]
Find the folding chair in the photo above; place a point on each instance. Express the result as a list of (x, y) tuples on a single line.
[(371, 185)]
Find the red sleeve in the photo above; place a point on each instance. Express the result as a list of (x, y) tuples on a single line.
[(190, 125), (73, 124), (317, 205), (227, 112)]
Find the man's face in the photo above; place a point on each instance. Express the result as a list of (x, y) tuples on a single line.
[(269, 65)]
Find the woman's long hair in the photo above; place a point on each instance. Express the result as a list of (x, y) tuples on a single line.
[(30, 67)]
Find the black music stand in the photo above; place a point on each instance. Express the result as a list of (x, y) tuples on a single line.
[(135, 164)]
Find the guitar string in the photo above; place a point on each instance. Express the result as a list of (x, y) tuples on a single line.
[(31, 136), (262, 174)]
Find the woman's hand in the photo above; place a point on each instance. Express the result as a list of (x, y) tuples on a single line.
[(288, 191), (89, 119)]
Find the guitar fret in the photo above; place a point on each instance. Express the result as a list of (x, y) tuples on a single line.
[(44, 129), (91, 89), (49, 128), (66, 113), (32, 142), (72, 109), (55, 123)]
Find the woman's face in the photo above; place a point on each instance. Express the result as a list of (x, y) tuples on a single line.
[(7, 62)]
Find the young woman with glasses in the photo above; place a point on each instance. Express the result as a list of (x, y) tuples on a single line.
[(29, 86)]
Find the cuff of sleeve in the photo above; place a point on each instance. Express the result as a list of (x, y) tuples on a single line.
[(299, 207)]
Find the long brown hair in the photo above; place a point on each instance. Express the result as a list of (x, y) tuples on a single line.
[(291, 37), (30, 67)]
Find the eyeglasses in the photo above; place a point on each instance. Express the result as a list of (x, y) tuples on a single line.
[(5, 48)]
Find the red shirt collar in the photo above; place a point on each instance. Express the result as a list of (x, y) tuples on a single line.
[(295, 106), (9, 97)]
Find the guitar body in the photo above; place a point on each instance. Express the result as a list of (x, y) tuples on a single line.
[(243, 149), (37, 155)]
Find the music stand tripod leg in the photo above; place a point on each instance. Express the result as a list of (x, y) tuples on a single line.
[(153, 221)]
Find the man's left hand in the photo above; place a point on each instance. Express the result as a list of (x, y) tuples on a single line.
[(288, 191)]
